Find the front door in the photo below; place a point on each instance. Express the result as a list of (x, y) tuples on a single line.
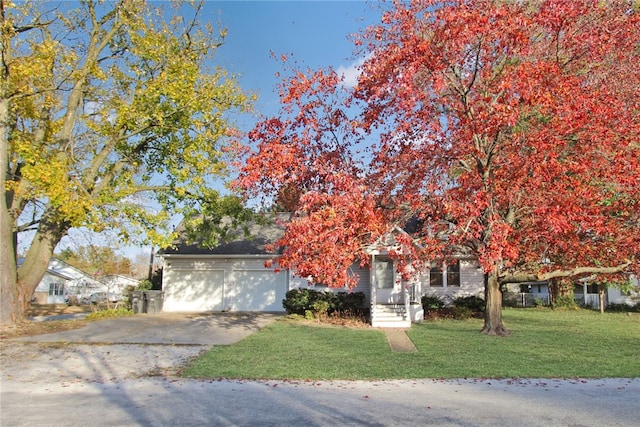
[(387, 291)]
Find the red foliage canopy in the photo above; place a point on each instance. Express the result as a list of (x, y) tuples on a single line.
[(512, 126)]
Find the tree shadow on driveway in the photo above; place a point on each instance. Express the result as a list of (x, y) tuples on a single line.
[(165, 329)]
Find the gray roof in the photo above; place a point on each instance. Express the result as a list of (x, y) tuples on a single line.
[(238, 243)]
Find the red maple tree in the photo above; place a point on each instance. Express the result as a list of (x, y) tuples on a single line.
[(511, 127)]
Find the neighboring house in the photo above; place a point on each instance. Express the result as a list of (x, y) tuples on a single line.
[(234, 276), (118, 284), (585, 294), (527, 294), (62, 279)]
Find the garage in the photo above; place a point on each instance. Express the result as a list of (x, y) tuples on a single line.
[(228, 277), (209, 283)]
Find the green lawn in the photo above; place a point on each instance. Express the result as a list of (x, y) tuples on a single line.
[(543, 344)]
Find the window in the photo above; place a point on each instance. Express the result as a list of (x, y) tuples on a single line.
[(435, 275), (453, 275), (591, 289), (438, 272), (56, 289)]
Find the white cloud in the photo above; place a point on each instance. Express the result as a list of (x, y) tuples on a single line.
[(351, 72)]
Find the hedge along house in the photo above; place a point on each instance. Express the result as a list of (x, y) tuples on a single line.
[(238, 275)]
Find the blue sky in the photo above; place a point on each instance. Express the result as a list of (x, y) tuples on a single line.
[(314, 33)]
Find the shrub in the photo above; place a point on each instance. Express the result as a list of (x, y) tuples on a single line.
[(431, 302), (461, 313), (299, 301), (144, 285), (473, 303), (320, 307), (109, 313), (539, 302), (616, 307), (564, 302), (345, 302)]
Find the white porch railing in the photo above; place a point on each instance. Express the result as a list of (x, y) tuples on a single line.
[(527, 299), (590, 300)]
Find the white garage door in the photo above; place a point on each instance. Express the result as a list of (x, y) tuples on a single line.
[(222, 284), (193, 290), (257, 290)]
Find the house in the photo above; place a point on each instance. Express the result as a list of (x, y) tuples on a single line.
[(527, 294), (235, 276), (396, 302), (585, 294), (118, 284), (62, 279)]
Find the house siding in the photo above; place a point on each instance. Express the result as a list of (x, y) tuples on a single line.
[(42, 291), (363, 284), (471, 283)]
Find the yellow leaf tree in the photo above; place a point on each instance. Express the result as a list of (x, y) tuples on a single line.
[(105, 110)]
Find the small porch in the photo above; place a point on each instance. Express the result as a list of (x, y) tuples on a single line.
[(588, 295), (394, 302), (584, 294)]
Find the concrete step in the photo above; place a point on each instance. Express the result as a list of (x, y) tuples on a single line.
[(391, 323), (390, 307), (390, 316)]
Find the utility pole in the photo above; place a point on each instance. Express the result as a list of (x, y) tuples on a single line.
[(150, 265)]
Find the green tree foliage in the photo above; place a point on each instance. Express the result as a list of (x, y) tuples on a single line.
[(105, 111)]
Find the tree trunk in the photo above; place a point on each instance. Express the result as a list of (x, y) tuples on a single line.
[(493, 310), (8, 271), (561, 288), (18, 289), (601, 298)]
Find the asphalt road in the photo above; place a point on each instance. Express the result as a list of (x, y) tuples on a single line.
[(172, 402), (124, 377)]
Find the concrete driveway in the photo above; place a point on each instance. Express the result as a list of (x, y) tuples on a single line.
[(165, 329)]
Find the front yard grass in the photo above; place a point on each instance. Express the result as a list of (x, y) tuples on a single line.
[(543, 344)]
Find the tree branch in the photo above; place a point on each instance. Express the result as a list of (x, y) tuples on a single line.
[(578, 271)]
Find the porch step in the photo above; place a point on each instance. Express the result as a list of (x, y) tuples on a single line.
[(390, 316)]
